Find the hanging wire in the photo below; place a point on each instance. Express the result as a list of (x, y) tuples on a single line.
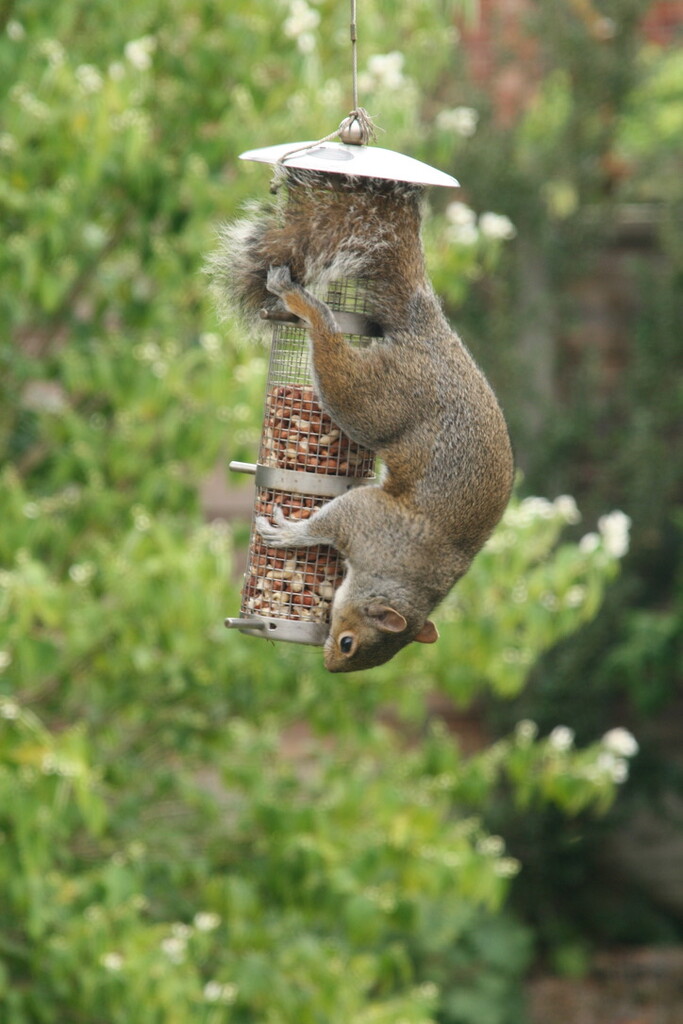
[(357, 128), (354, 54)]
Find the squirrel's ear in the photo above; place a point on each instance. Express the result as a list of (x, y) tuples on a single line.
[(429, 634), (386, 618)]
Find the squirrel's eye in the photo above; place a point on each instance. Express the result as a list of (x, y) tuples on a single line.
[(346, 643)]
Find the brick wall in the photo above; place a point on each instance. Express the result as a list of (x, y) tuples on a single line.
[(664, 23), (504, 58)]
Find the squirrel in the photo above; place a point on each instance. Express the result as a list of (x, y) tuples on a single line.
[(416, 397)]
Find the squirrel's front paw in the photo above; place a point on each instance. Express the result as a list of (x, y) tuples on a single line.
[(279, 280), (283, 533)]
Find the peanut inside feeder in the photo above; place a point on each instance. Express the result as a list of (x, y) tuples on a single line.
[(304, 461)]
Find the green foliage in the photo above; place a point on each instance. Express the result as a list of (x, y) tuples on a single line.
[(168, 851), (588, 170)]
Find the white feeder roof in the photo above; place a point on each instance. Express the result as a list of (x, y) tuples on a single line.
[(364, 161)]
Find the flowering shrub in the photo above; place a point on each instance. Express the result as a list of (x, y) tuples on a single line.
[(166, 852), (170, 818)]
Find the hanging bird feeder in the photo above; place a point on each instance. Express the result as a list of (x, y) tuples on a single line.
[(304, 458)]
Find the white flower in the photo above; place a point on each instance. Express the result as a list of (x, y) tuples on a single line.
[(615, 767), (460, 214), (385, 71), (462, 224), (575, 596), (82, 572), (174, 948), (491, 846), (94, 236), (15, 30), (89, 78), (215, 992), (8, 144), (29, 103), (111, 961), (620, 742), (463, 234), (561, 738), (139, 52), (462, 120), (53, 51), (8, 709), (589, 543), (302, 20), (526, 731), (497, 226), (205, 921), (306, 42), (212, 991), (567, 508), (614, 530), (210, 342), (534, 508), (506, 867)]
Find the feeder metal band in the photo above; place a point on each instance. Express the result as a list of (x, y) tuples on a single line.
[(364, 161), (295, 631), (347, 323), (306, 483)]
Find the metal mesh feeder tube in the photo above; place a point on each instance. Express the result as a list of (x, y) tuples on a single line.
[(304, 461)]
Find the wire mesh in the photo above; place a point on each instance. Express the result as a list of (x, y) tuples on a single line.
[(298, 435), (296, 584), (299, 584)]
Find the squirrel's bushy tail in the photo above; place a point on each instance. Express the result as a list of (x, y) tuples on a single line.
[(324, 228), (239, 266)]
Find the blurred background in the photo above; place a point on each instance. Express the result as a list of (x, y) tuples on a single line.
[(196, 825)]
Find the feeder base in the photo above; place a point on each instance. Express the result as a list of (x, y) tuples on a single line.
[(293, 631)]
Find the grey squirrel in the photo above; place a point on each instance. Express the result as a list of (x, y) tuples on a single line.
[(416, 397)]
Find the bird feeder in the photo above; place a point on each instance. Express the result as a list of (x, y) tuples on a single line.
[(304, 458)]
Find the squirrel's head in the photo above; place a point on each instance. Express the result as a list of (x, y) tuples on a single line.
[(366, 636)]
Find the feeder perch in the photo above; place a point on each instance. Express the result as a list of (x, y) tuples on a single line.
[(304, 459)]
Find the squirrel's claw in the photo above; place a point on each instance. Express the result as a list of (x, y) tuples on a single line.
[(283, 533), (279, 516), (269, 532)]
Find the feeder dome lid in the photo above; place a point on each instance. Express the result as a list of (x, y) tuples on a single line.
[(342, 158)]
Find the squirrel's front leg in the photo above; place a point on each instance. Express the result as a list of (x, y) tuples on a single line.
[(301, 303), (297, 533), (358, 513)]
